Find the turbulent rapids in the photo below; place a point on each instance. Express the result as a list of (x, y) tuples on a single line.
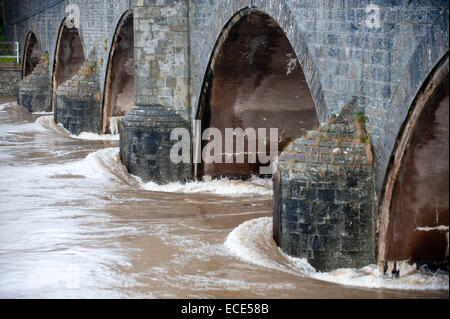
[(75, 223), (261, 249)]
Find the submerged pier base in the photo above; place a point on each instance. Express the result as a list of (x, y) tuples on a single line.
[(145, 144), (35, 91), (79, 102), (324, 193)]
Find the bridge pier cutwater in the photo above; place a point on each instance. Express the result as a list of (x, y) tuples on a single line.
[(35, 89), (324, 195), (356, 92)]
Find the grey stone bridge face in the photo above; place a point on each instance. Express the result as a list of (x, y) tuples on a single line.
[(366, 64)]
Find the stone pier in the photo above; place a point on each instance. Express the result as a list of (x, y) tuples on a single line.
[(145, 144), (324, 190), (9, 79), (79, 101), (161, 80), (35, 91)]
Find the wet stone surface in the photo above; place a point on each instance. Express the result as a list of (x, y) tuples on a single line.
[(325, 189), (78, 102), (35, 90), (145, 144)]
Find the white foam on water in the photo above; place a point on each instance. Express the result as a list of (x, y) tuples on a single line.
[(103, 166), (98, 137), (48, 123), (11, 105), (95, 165), (104, 163), (252, 242), (7, 104), (43, 113), (370, 277), (227, 187), (16, 107), (114, 124)]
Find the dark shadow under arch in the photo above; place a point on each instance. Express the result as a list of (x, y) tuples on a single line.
[(119, 88), (31, 55), (413, 221), (254, 80), (69, 57)]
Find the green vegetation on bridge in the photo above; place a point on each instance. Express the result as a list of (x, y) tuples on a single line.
[(4, 47)]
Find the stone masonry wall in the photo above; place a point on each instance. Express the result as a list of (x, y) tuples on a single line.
[(99, 19), (346, 58), (9, 79), (161, 54), (162, 91), (324, 187), (145, 144), (35, 91), (78, 101), (379, 67)]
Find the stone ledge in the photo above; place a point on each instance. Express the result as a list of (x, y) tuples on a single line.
[(10, 67)]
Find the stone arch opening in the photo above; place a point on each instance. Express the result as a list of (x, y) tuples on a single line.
[(119, 91), (254, 80), (32, 54), (69, 57), (414, 212)]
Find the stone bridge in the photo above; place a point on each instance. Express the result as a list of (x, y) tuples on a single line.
[(358, 90)]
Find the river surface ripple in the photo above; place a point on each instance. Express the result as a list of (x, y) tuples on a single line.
[(75, 224)]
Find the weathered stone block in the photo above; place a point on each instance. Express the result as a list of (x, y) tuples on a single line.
[(9, 79), (145, 144), (78, 102), (330, 217), (35, 91)]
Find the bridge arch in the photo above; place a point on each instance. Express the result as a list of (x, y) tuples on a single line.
[(254, 80), (119, 87), (426, 56), (281, 12), (414, 210), (31, 54), (69, 57)]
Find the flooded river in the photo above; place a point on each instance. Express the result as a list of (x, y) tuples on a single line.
[(75, 224)]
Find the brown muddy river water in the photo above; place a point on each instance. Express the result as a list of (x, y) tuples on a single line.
[(75, 224)]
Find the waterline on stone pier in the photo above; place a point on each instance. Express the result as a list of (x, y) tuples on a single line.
[(260, 249), (224, 186), (48, 122)]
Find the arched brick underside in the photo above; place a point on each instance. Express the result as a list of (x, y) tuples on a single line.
[(124, 7), (97, 27), (119, 87), (32, 54), (426, 56), (282, 14), (253, 81), (413, 221), (69, 57)]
